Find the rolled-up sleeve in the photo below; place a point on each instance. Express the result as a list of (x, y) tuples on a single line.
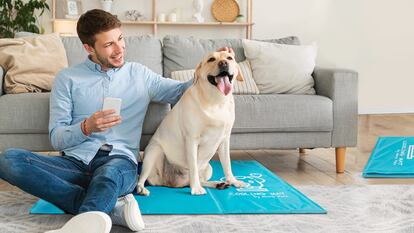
[(164, 90)]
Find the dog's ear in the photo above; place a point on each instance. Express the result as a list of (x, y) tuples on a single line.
[(197, 73), (239, 74)]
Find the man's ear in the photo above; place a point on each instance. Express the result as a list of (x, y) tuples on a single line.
[(89, 48), (239, 74), (197, 73)]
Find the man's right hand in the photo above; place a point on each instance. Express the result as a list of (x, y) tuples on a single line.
[(101, 121)]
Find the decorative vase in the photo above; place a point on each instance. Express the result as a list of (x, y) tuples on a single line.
[(161, 17), (106, 5), (172, 17), (198, 8)]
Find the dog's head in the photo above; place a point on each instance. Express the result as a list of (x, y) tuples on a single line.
[(216, 72)]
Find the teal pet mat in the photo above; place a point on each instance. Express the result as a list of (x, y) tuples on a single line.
[(265, 193), (392, 157)]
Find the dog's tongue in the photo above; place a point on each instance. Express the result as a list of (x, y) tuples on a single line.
[(224, 85)]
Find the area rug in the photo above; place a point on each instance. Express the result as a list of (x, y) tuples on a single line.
[(265, 193), (373, 208)]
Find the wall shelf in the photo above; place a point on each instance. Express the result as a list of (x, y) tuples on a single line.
[(247, 25), (204, 24)]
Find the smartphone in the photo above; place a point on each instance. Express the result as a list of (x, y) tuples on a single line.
[(112, 103)]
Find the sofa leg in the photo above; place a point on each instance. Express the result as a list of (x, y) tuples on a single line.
[(302, 151), (340, 159)]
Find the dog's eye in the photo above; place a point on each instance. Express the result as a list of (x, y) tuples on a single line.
[(229, 58), (211, 59)]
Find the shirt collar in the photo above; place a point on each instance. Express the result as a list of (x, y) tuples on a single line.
[(96, 67)]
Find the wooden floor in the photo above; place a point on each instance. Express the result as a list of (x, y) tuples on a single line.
[(317, 166)]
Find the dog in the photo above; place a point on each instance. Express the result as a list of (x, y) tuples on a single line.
[(196, 128)]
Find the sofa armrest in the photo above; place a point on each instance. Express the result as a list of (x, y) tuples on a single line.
[(341, 86), (2, 73)]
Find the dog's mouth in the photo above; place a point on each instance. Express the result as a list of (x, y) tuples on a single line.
[(222, 81)]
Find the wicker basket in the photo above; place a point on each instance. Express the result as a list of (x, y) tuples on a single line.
[(225, 10)]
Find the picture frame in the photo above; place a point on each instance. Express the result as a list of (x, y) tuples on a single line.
[(73, 9)]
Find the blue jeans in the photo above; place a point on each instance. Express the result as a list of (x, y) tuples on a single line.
[(67, 182)]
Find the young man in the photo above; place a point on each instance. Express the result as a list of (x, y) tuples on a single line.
[(98, 170)]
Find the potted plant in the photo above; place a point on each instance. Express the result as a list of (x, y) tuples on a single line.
[(240, 19), (19, 15)]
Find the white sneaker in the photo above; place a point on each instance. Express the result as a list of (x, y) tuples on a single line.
[(88, 222), (126, 213)]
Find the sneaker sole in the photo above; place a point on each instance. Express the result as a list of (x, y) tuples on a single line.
[(88, 222)]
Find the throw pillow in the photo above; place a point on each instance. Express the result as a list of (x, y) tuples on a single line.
[(247, 87), (31, 63), (281, 68), (183, 53)]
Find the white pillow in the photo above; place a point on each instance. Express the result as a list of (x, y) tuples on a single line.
[(281, 68), (246, 87)]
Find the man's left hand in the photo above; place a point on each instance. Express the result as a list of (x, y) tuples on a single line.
[(227, 49)]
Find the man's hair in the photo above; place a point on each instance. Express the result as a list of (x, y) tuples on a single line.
[(93, 22)]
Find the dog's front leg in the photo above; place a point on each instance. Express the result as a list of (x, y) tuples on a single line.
[(224, 155), (191, 146), (151, 154)]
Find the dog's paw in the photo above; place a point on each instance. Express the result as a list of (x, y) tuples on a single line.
[(237, 183), (198, 191), (141, 190)]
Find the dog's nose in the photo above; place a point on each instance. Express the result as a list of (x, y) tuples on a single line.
[(223, 65)]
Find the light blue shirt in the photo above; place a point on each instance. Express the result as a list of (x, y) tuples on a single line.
[(78, 92)]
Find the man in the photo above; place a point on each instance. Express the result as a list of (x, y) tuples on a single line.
[(97, 172), (98, 164)]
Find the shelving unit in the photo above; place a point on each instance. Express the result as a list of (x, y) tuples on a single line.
[(154, 23)]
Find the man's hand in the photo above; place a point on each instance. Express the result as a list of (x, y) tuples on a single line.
[(101, 121), (227, 49)]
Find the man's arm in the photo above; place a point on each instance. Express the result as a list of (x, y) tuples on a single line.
[(164, 90), (62, 133)]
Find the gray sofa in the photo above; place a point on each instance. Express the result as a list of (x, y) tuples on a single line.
[(327, 119)]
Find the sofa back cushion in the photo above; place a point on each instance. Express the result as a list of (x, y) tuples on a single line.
[(143, 49), (183, 53)]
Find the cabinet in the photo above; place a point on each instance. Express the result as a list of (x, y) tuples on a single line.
[(57, 20)]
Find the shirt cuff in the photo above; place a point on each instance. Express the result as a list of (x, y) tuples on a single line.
[(78, 135), (188, 84)]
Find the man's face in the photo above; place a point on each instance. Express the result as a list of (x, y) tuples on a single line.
[(109, 49)]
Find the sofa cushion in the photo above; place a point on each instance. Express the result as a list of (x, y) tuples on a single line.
[(26, 113), (143, 49), (29, 113), (282, 113), (155, 114), (183, 53), (74, 50), (146, 50)]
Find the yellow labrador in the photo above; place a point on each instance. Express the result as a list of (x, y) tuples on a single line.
[(200, 123)]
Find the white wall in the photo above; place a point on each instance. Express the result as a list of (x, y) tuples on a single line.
[(373, 37)]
